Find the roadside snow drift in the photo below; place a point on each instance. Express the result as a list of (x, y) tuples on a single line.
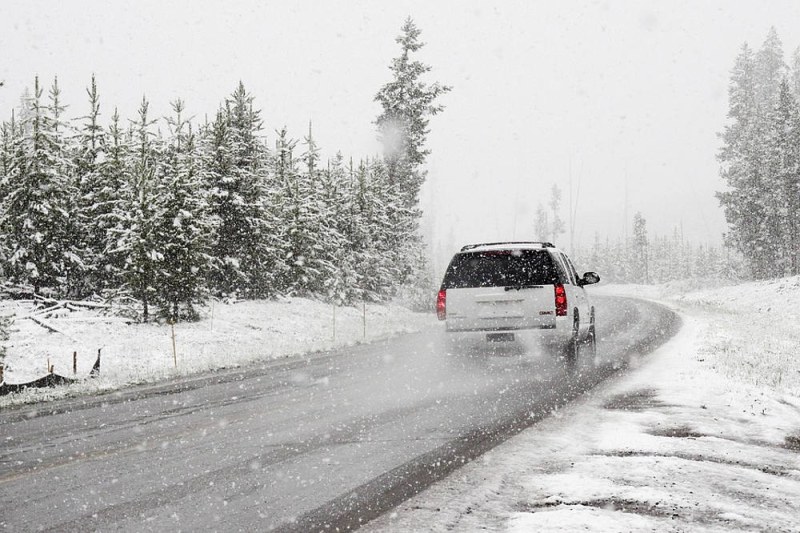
[(228, 335)]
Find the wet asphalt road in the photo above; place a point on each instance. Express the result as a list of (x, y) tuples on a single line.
[(329, 440)]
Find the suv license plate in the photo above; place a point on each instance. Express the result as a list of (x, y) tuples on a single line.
[(500, 337)]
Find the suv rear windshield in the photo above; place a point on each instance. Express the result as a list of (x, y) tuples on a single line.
[(502, 268)]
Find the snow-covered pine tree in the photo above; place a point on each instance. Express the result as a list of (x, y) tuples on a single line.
[(557, 224), (357, 226), (9, 147), (794, 75), (186, 226), (95, 197), (327, 206), (640, 249), (407, 104), (110, 205), (395, 241), (294, 215), (741, 157), (10, 158), (782, 179), (770, 69), (541, 224), (343, 207), (139, 213), (73, 282), (376, 242), (36, 225), (594, 260), (244, 250), (11, 155)]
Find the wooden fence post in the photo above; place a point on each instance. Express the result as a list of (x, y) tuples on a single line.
[(174, 350), (74, 363)]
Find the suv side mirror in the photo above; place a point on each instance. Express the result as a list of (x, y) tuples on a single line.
[(589, 278)]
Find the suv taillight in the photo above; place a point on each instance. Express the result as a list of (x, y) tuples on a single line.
[(561, 300), (441, 305)]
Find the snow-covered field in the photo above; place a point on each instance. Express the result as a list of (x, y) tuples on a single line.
[(228, 335), (703, 436)]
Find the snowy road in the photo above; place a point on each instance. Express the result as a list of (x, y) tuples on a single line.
[(332, 439)]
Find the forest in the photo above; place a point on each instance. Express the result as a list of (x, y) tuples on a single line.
[(164, 213), (760, 158)]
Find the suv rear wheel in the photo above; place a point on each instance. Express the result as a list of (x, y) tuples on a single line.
[(573, 346), (591, 338)]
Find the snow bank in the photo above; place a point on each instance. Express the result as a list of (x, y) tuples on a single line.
[(753, 330), (228, 335)]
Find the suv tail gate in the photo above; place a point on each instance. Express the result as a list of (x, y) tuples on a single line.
[(500, 290)]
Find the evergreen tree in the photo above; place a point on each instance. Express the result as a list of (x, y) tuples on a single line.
[(541, 224), (640, 249), (346, 216), (557, 224), (407, 103), (11, 159), (328, 207), (9, 149), (73, 281), (782, 194), (110, 208), (795, 73), (769, 71), (36, 208), (396, 247), (186, 227), (741, 158), (244, 249), (139, 213), (297, 212), (379, 270), (95, 197)]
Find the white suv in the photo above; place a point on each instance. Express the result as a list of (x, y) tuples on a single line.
[(499, 291)]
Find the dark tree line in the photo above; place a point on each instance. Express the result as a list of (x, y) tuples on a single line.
[(168, 212), (760, 160), (649, 259)]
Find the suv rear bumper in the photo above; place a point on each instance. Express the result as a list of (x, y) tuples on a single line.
[(546, 335), (499, 329)]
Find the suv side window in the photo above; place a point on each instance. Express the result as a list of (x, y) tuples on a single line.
[(569, 273), (563, 270), (572, 270)]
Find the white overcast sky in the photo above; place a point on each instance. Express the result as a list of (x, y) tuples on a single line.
[(607, 88)]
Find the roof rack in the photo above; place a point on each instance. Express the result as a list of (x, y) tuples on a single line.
[(473, 246)]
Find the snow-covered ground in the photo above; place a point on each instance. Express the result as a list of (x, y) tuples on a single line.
[(228, 335), (703, 436)]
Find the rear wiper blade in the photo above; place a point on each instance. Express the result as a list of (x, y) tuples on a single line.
[(519, 287)]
